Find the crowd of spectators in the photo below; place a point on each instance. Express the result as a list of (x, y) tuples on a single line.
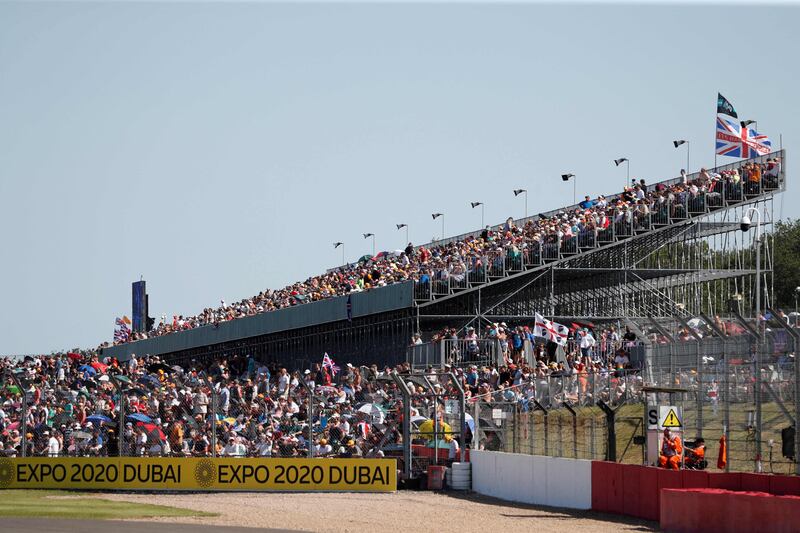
[(593, 221), (73, 403)]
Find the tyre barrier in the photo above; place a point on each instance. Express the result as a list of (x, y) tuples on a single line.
[(459, 476)]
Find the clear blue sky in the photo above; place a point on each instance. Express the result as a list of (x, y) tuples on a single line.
[(219, 149)]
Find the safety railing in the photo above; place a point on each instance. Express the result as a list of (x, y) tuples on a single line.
[(641, 217)]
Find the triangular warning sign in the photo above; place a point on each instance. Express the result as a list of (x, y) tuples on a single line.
[(672, 420)]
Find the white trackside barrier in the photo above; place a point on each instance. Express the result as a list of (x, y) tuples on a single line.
[(534, 479)]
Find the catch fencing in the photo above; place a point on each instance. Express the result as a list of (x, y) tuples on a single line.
[(738, 389)]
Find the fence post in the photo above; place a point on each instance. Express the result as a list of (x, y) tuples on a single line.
[(462, 416), (121, 429), (310, 394), (214, 408), (476, 424), (727, 414), (406, 423), (611, 430), (698, 391), (24, 408), (538, 406), (574, 429)]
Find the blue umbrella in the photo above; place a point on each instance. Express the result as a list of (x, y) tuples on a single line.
[(87, 369), (140, 418), (150, 381), (99, 419)]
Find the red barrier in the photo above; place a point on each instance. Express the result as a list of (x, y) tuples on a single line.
[(784, 485), (755, 483), (599, 491), (648, 499), (615, 484), (631, 491), (725, 480), (695, 479), (718, 510), (635, 490)]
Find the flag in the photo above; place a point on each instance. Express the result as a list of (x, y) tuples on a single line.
[(736, 141), (551, 331), (328, 363), (126, 320), (121, 330), (725, 107)]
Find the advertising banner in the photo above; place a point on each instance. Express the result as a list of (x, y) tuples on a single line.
[(218, 474)]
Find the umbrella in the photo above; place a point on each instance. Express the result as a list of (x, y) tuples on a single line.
[(364, 258), (11, 427), (81, 435), (27, 358), (124, 379), (426, 429), (87, 369), (417, 420), (442, 444), (375, 411), (326, 389), (155, 367), (139, 417), (103, 378), (74, 356), (100, 367), (153, 432), (470, 422), (99, 419), (150, 381), (13, 389)]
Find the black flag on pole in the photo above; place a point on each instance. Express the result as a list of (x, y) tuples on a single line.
[(725, 107)]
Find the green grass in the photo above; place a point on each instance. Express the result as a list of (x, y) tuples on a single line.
[(527, 435), (42, 504)]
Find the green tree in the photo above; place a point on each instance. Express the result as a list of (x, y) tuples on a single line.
[(787, 262)]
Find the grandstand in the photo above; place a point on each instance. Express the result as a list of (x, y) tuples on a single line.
[(676, 250)]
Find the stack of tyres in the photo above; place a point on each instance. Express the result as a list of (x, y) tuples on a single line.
[(459, 476)]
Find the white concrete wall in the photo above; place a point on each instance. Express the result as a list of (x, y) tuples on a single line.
[(534, 479)]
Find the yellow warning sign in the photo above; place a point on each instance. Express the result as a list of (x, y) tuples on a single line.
[(672, 420)]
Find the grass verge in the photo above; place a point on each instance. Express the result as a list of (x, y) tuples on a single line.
[(42, 504)]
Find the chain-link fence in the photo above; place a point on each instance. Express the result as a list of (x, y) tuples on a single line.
[(736, 392)]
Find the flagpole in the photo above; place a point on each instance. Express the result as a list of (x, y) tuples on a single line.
[(526, 202), (627, 173), (688, 144), (716, 116)]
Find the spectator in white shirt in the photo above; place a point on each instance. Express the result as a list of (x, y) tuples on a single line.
[(234, 448)]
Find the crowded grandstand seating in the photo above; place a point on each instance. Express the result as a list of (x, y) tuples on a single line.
[(72, 403), (495, 252)]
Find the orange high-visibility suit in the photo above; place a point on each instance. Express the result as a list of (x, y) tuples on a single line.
[(695, 456), (671, 449)]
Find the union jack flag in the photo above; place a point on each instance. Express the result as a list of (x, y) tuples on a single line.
[(121, 330), (736, 141), (328, 363)]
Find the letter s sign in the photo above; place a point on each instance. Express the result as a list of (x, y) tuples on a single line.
[(652, 418)]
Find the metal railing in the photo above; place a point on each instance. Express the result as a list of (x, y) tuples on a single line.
[(624, 223)]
